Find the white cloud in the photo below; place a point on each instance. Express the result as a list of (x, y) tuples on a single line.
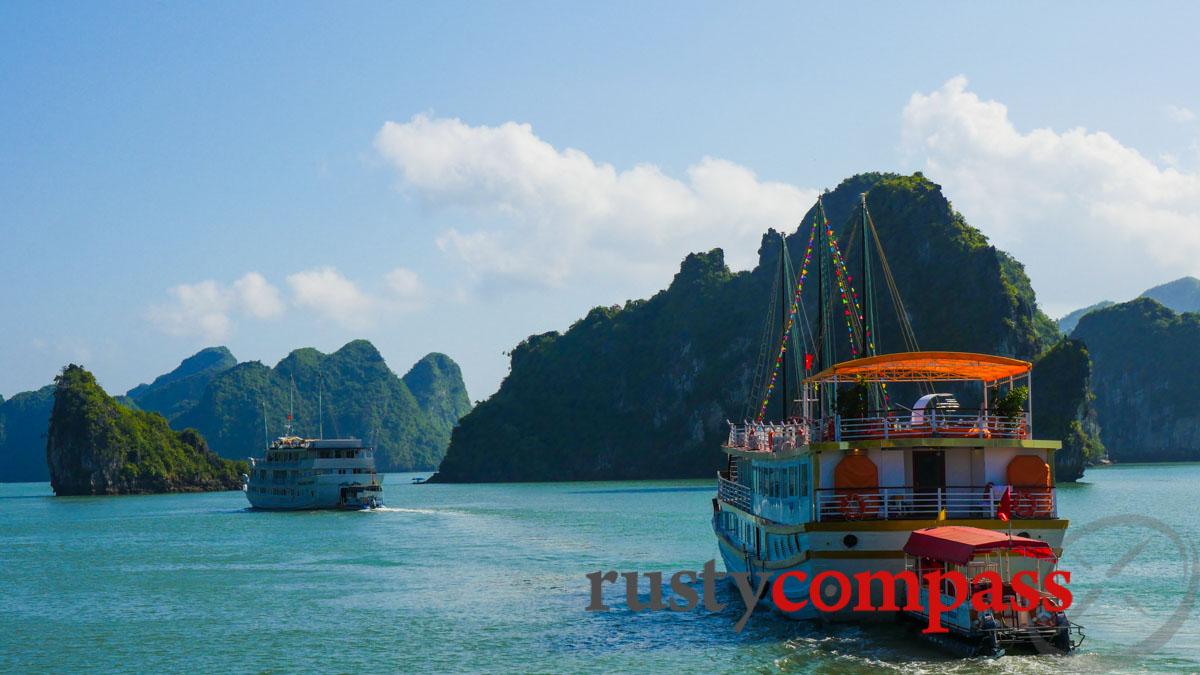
[(205, 308), (325, 290), (258, 298), (1177, 113), (329, 293), (547, 216), (1090, 217)]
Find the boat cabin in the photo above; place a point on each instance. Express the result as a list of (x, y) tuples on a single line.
[(880, 459)]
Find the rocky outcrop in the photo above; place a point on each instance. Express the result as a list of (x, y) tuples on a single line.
[(1146, 380), (1063, 409), (95, 446), (437, 384), (643, 390)]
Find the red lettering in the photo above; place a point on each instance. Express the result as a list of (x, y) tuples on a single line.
[(780, 599), (991, 595), (843, 595), (1024, 590), (1059, 592), (959, 584), (911, 585)]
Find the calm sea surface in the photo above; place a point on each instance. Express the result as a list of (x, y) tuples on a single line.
[(490, 578)]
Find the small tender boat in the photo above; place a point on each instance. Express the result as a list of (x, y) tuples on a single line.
[(989, 561)]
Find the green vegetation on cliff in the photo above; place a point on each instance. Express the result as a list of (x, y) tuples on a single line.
[(1146, 379), (96, 446), (1063, 411), (643, 390), (172, 394), (436, 382), (362, 398)]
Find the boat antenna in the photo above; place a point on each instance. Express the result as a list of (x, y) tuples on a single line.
[(320, 405), (291, 404)]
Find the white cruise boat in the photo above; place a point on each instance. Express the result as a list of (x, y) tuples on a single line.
[(299, 473), (868, 450)]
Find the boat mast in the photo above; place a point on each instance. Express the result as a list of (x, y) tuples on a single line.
[(266, 434), (867, 319), (783, 302), (825, 351), (320, 405)]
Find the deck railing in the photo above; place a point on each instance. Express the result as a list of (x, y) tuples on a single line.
[(781, 437), (926, 424), (769, 437), (733, 493), (909, 503)]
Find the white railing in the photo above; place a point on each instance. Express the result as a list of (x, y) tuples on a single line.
[(930, 424), (733, 493), (769, 437), (908, 503)]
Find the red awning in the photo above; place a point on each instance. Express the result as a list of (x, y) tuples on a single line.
[(959, 544)]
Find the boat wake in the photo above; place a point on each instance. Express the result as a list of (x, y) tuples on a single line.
[(396, 509)]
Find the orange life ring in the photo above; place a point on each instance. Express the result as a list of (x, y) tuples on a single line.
[(1026, 506), (850, 513)]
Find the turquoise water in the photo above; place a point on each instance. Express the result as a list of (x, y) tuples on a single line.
[(490, 578)]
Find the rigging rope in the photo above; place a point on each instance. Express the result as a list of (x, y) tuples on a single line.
[(791, 317)]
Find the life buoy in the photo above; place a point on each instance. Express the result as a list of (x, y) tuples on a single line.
[(1026, 506), (853, 506)]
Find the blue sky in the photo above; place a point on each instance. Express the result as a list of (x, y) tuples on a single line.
[(457, 176)]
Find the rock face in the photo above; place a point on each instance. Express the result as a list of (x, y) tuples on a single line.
[(177, 391), (1146, 380), (643, 390), (94, 446), (362, 397), (1063, 408), (23, 420)]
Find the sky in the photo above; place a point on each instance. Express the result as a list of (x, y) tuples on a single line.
[(455, 177)]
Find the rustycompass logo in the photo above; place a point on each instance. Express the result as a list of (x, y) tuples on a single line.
[(988, 594)]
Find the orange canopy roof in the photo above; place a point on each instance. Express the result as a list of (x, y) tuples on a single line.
[(924, 367)]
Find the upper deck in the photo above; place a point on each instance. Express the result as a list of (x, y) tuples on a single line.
[(896, 462), (933, 420)]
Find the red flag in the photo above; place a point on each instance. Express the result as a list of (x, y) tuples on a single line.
[(808, 359), (1004, 511)]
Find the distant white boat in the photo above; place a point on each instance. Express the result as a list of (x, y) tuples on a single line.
[(302, 473)]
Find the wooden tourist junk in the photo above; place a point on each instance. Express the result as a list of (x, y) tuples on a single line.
[(873, 448)]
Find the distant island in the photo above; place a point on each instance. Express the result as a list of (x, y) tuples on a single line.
[(1181, 295), (96, 446), (407, 419), (1146, 380)]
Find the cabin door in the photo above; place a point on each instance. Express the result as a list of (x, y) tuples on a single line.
[(929, 480)]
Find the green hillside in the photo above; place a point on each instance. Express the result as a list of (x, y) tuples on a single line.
[(643, 390), (23, 421), (173, 393), (363, 398)]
